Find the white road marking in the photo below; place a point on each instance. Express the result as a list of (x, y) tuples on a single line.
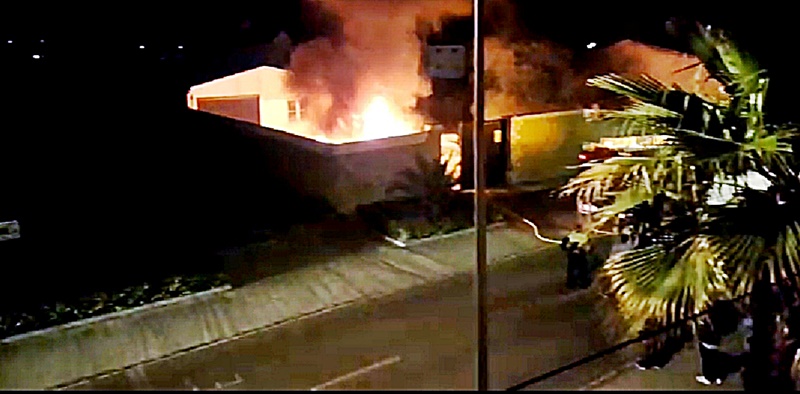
[(358, 372)]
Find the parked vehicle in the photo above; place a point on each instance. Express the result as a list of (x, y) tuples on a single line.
[(596, 153)]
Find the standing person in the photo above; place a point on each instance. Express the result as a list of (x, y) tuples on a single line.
[(659, 206), (716, 364), (652, 345), (572, 264), (645, 240), (645, 217), (582, 269), (673, 342), (565, 244), (709, 342)]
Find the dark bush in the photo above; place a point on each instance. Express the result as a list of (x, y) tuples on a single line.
[(44, 315)]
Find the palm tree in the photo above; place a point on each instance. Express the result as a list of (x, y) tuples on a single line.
[(432, 182), (749, 244)]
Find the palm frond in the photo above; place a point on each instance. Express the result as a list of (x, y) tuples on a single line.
[(627, 199), (655, 108), (641, 109), (727, 63), (777, 145), (642, 118), (787, 253), (644, 88), (616, 173), (660, 282), (723, 250), (699, 146)]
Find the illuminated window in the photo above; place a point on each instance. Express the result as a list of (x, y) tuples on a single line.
[(296, 108), (498, 136)]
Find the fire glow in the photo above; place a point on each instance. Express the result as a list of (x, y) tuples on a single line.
[(379, 119), (361, 81)]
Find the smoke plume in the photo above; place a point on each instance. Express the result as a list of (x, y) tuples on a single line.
[(525, 77), (368, 48), (671, 68), (372, 51)]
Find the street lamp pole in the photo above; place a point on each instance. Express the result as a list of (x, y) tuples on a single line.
[(479, 157)]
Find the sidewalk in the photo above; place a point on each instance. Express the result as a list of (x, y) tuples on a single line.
[(68, 354), (679, 374), (328, 277)]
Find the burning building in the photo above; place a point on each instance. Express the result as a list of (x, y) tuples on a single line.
[(345, 169), (371, 90), (345, 110)]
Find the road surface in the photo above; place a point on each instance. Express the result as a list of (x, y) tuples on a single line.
[(421, 339)]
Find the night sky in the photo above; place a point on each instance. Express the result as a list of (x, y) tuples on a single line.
[(84, 40)]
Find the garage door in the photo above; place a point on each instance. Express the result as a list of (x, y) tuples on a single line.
[(241, 107)]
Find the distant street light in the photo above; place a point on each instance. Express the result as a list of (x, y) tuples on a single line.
[(37, 57), (479, 153), (591, 45), (141, 46)]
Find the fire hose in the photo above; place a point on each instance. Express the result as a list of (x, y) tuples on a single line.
[(536, 228)]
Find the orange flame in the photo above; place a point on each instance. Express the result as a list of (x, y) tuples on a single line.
[(363, 79), (381, 120)]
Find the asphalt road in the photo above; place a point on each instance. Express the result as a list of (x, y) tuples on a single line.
[(421, 339)]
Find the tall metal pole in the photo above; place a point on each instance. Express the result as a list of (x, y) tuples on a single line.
[(479, 156)]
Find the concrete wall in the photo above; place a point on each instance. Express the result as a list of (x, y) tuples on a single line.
[(366, 169), (346, 175)]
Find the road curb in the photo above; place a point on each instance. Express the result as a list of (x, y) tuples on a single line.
[(83, 351), (113, 372), (113, 315), (415, 242), (346, 304)]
